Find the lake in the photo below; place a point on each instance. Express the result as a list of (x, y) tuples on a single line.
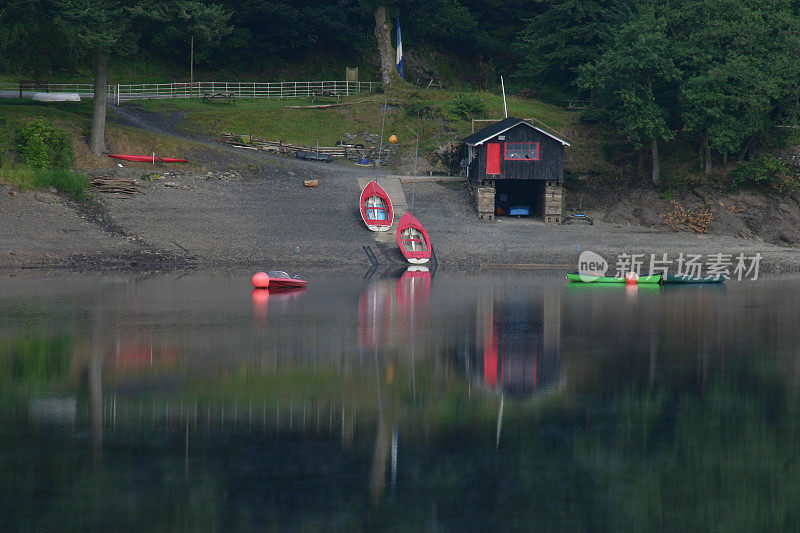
[(503, 400)]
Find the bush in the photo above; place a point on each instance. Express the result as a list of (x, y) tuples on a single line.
[(64, 180), (41, 145), (448, 155), (424, 109), (765, 170), (467, 106)]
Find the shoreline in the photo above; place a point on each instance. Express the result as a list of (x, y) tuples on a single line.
[(152, 233), (244, 209)]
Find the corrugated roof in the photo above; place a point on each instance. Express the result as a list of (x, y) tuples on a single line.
[(479, 137)]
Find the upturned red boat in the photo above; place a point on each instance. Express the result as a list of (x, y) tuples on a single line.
[(413, 240), (148, 158), (376, 207)]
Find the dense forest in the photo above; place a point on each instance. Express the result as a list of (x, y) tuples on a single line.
[(715, 73)]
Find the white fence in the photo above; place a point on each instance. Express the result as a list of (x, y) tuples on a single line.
[(234, 89)]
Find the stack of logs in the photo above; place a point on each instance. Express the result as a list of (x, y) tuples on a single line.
[(553, 199), (120, 187), (352, 153)]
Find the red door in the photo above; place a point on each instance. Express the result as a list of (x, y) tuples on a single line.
[(493, 158)]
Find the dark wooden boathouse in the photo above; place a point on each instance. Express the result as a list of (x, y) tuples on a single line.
[(513, 165)]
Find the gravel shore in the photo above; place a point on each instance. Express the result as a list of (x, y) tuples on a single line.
[(261, 215)]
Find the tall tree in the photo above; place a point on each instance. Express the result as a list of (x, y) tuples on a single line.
[(169, 26), (630, 79), (385, 49), (739, 63), (31, 43), (98, 25), (564, 36), (105, 27)]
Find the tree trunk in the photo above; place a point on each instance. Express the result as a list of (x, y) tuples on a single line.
[(701, 151), (746, 148), (640, 173), (385, 51), (656, 164), (98, 138), (707, 157)]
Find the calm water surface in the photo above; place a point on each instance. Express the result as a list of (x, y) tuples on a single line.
[(462, 402)]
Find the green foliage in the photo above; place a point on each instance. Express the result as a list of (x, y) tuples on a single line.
[(41, 145), (467, 106), (64, 180), (739, 64), (36, 361), (553, 50), (725, 459), (422, 109), (630, 75), (765, 170)]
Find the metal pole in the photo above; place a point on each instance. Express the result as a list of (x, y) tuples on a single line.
[(380, 147), (503, 88), (414, 186)]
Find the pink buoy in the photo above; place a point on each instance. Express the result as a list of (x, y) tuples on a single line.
[(260, 280)]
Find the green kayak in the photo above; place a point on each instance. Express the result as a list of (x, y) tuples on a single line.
[(578, 278), (672, 278)]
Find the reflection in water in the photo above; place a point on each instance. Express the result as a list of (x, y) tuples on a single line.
[(375, 316), (520, 338), (462, 402)]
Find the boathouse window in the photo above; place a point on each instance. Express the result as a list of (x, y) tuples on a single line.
[(522, 151)]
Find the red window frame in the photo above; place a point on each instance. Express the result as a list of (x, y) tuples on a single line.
[(520, 146)]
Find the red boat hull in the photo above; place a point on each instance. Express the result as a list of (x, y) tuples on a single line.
[(413, 240), (148, 158), (376, 207), (285, 284)]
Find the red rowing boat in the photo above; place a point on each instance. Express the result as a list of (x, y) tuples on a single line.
[(413, 240), (376, 207), (148, 158)]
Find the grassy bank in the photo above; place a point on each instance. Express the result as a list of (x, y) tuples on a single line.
[(440, 116), (75, 119)]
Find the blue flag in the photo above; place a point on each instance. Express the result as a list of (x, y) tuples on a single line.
[(399, 57)]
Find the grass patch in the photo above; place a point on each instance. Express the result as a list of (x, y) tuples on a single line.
[(62, 179), (126, 140)]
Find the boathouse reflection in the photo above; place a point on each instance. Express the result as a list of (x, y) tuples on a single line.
[(518, 342)]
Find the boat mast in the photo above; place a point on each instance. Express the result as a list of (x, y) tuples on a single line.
[(380, 147), (414, 173)]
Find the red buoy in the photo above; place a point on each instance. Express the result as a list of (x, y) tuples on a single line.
[(631, 278), (260, 280)]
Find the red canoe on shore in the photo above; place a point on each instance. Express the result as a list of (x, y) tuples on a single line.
[(413, 240), (376, 208), (148, 158)]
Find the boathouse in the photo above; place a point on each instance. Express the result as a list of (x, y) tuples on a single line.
[(516, 169)]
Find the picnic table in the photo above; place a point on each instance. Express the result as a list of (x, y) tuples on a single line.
[(326, 94), (228, 98)]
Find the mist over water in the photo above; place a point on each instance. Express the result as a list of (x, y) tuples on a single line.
[(489, 400)]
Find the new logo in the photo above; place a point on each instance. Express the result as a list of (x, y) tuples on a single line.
[(591, 265)]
